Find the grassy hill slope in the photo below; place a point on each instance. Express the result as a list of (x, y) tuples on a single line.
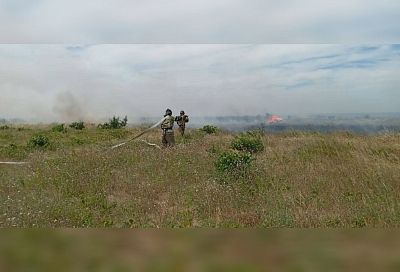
[(299, 180)]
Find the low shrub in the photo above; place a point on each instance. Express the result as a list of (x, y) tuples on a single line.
[(233, 162), (114, 123), (59, 128), (4, 127), (248, 142), (39, 141), (209, 129), (77, 125)]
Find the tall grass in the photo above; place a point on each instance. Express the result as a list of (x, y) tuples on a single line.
[(299, 180)]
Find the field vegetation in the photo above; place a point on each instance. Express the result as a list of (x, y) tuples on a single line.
[(294, 179)]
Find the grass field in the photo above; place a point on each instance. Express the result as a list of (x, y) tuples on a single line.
[(299, 180)]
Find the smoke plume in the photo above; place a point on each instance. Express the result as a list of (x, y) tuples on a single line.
[(68, 107)]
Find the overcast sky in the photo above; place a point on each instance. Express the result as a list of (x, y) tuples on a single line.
[(70, 59), (65, 82), (199, 21)]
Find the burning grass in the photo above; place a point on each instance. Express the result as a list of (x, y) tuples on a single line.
[(299, 180)]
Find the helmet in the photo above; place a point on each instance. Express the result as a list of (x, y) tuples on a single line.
[(168, 112), (182, 112)]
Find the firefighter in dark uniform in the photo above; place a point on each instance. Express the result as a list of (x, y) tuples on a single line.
[(181, 120)]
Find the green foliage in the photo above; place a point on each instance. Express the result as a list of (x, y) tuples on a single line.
[(14, 151), (248, 142), (327, 180), (209, 129), (4, 127), (233, 162), (59, 128), (39, 141), (77, 125), (114, 123)]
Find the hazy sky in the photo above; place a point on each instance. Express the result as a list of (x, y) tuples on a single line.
[(199, 21), (70, 59), (62, 82)]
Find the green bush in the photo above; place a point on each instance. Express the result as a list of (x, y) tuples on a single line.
[(39, 141), (59, 128), (233, 162), (4, 127), (248, 143), (77, 125), (209, 129), (114, 123)]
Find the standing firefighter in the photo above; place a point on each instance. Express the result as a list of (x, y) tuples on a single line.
[(168, 139), (181, 120)]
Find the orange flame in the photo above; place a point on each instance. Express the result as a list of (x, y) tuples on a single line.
[(274, 119)]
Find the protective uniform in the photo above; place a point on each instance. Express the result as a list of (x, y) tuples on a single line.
[(168, 138), (181, 120)]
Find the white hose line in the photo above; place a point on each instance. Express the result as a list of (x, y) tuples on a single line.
[(150, 144), (14, 163), (140, 134)]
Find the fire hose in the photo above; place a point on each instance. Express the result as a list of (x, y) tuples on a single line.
[(15, 163), (140, 134)]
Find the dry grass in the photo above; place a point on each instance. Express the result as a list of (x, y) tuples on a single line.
[(300, 180)]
